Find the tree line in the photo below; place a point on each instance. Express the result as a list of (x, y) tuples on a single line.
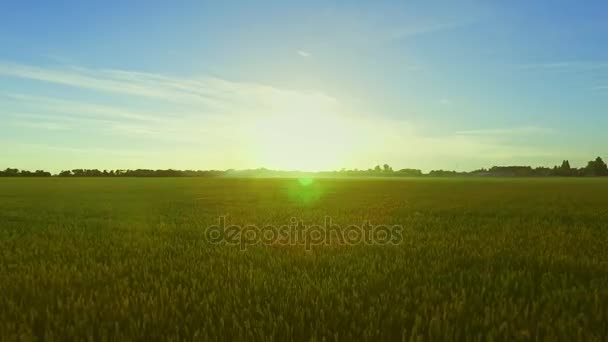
[(24, 173), (594, 168)]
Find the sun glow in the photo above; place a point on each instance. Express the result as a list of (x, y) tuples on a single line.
[(306, 133)]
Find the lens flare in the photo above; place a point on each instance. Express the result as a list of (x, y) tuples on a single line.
[(305, 191), (305, 181)]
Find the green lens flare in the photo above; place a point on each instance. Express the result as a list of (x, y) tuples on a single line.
[(306, 181), (305, 191)]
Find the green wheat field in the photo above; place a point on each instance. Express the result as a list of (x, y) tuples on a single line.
[(128, 259)]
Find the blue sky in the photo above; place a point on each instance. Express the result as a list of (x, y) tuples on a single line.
[(302, 85)]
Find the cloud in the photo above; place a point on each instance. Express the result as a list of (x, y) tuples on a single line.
[(592, 71), (39, 124), (199, 110), (565, 66), (408, 143), (304, 54), (83, 109), (205, 91), (211, 97), (374, 28), (222, 123), (210, 93), (526, 130), (403, 32)]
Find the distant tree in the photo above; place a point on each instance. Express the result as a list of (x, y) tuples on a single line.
[(544, 172), (596, 168), (377, 168), (93, 173), (564, 170), (65, 173), (479, 173), (78, 173), (25, 173), (11, 172), (511, 171), (42, 173), (387, 168), (443, 173), (409, 173)]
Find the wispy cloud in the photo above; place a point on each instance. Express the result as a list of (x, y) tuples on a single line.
[(41, 124), (82, 109), (403, 32), (89, 151), (205, 91), (213, 95), (180, 109), (582, 75), (249, 123), (565, 66), (207, 96), (383, 25), (303, 53), (526, 130)]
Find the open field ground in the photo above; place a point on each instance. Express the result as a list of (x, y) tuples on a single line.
[(117, 259)]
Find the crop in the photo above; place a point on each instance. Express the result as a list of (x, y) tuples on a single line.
[(480, 259)]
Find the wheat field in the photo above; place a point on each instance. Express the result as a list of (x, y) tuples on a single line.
[(130, 259)]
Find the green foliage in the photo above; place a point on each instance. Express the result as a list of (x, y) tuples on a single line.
[(596, 168), (126, 259)]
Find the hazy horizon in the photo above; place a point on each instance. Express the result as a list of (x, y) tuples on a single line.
[(58, 170), (314, 86)]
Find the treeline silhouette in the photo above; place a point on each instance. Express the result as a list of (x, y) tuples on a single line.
[(23, 173), (594, 168), (139, 173)]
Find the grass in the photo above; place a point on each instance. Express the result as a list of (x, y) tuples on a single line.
[(123, 259)]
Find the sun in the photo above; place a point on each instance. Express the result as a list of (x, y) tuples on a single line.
[(307, 134)]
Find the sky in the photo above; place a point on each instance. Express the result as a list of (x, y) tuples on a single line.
[(302, 85)]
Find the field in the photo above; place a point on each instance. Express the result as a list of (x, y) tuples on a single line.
[(129, 258)]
